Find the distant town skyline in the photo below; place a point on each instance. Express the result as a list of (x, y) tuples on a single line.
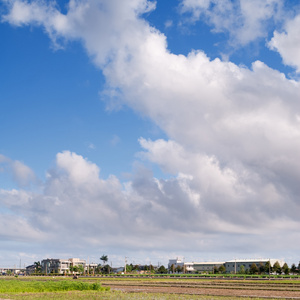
[(147, 129)]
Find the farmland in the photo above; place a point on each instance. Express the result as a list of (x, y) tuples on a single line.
[(146, 288)]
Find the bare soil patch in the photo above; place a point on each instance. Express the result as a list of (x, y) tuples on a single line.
[(252, 290)]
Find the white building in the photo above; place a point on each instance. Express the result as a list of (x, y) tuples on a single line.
[(60, 266)]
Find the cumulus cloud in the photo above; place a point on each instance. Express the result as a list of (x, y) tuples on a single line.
[(99, 210), (201, 203), (287, 43), (234, 136), (244, 20)]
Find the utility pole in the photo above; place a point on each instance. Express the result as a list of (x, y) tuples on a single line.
[(125, 264), (235, 266), (88, 266)]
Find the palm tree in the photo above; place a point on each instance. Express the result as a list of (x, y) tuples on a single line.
[(104, 258)]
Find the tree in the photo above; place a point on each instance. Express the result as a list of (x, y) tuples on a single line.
[(253, 269), (106, 269), (261, 268), (151, 268), (285, 269), (277, 268), (98, 269), (104, 258), (80, 269), (178, 269), (162, 270), (129, 268), (172, 268), (268, 267), (242, 269), (222, 269), (293, 269)]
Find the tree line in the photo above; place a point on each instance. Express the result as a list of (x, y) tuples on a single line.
[(105, 268)]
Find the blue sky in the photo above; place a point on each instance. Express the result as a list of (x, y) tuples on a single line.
[(144, 123)]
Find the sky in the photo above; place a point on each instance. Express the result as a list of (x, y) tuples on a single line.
[(149, 130)]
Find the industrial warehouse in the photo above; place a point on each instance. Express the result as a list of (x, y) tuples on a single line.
[(231, 266)]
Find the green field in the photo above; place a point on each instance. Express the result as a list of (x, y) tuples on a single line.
[(30, 287)]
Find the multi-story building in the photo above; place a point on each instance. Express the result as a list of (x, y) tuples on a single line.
[(174, 263), (60, 266)]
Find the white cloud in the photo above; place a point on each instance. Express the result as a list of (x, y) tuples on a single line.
[(287, 43), (78, 169), (168, 24), (244, 20), (21, 173), (15, 228), (233, 147), (205, 203)]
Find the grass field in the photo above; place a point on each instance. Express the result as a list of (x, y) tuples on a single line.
[(28, 287)]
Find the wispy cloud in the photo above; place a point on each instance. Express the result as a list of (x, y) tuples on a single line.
[(115, 140), (21, 173), (244, 20)]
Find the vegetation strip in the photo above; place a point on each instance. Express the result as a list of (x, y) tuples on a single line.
[(20, 286)]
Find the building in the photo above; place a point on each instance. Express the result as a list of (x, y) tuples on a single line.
[(202, 267), (117, 270), (77, 262), (11, 271), (234, 266), (30, 269), (175, 263), (60, 266), (91, 268)]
